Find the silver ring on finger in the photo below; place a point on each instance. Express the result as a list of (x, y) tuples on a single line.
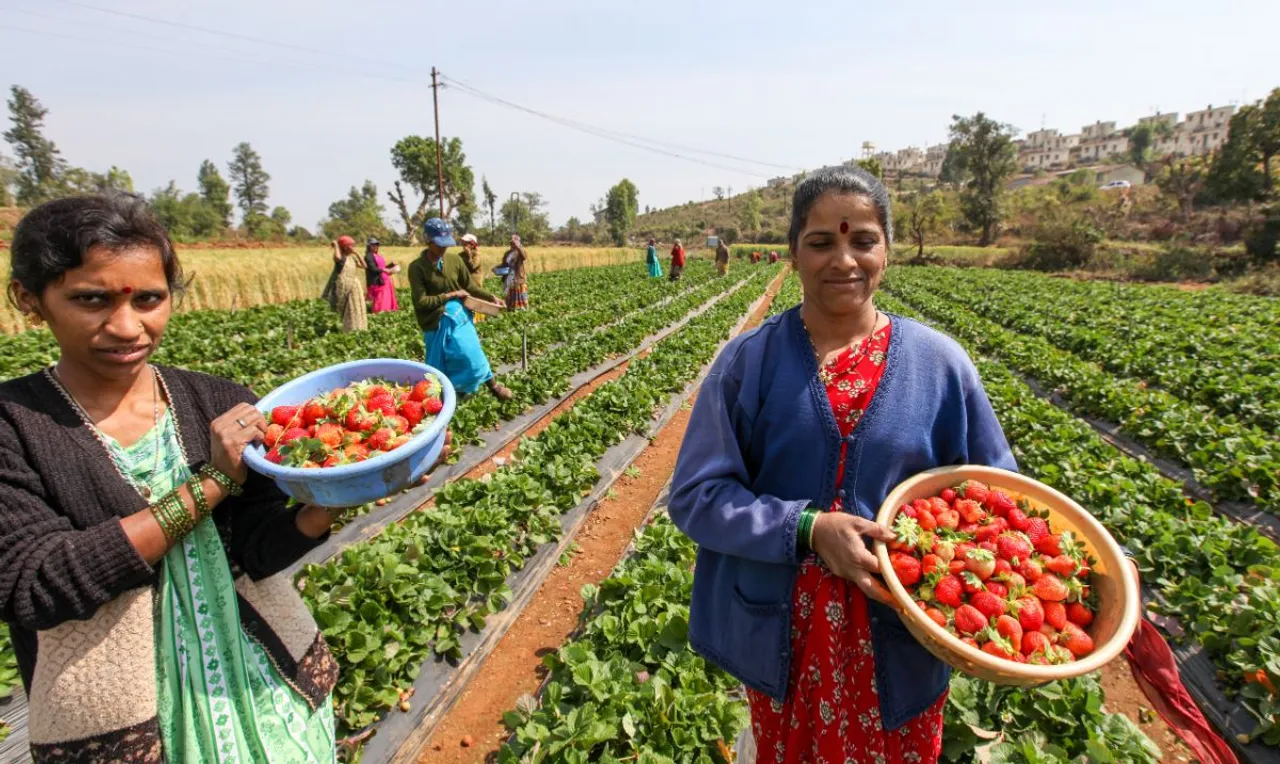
[(242, 423)]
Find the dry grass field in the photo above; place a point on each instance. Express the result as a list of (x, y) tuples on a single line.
[(238, 278)]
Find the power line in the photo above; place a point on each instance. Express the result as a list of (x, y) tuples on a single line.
[(598, 130)]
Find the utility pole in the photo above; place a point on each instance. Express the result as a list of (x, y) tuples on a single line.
[(435, 97)]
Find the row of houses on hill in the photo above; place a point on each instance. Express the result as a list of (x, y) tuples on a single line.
[(1047, 149)]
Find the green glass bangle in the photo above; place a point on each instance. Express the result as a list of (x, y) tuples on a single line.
[(222, 479), (197, 493), (168, 513)]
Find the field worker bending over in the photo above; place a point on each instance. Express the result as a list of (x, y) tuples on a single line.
[(440, 281), (346, 290)]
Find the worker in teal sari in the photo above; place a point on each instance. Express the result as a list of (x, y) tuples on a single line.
[(651, 260)]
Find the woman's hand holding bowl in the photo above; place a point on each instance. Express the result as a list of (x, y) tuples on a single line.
[(837, 539)]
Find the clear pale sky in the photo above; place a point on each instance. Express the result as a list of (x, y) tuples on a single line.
[(799, 84)]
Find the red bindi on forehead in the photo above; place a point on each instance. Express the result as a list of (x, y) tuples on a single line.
[(127, 290), (844, 226)]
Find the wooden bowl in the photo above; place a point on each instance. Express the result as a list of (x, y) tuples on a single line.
[(1113, 580), (481, 306)]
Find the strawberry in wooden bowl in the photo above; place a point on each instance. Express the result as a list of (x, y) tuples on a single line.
[(1004, 578)]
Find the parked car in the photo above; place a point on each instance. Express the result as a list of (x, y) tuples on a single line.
[(1116, 184)]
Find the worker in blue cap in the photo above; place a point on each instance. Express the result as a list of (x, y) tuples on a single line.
[(440, 281)]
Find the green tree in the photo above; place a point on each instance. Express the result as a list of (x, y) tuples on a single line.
[(620, 208), (187, 217), (414, 157), (39, 163), (871, 165), (985, 154), (524, 214), (8, 177), (359, 215), (249, 180), (77, 180), (1141, 140), (215, 191), (951, 171), (749, 213), (922, 216), (490, 203), (1183, 178)]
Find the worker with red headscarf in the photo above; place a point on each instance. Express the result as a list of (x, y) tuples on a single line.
[(346, 289)]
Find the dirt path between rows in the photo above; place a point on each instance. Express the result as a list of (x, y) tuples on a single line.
[(515, 665)]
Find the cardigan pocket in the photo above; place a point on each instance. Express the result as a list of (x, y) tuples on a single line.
[(759, 630), (909, 678)]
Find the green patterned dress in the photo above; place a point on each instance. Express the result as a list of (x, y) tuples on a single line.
[(220, 698)]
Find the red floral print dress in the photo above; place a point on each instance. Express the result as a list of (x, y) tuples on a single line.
[(832, 711)]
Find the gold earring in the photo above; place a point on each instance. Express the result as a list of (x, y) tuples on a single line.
[(35, 319)]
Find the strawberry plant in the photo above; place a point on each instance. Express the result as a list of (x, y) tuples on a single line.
[(9, 677), (1234, 460)]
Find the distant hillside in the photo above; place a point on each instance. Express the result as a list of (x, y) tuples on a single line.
[(725, 217)]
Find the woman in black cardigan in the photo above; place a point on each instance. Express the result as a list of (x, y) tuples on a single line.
[(137, 551)]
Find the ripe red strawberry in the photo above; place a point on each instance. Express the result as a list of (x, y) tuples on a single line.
[(274, 456), (313, 413), (1062, 565), (949, 591), (971, 583), (997, 588), (948, 495), (356, 452), (1037, 528), (412, 413), (420, 391), (974, 490), (998, 648), (331, 460), (1055, 615), (1078, 614), (931, 564), (330, 434), (1049, 588), (1003, 570), (906, 567), (1050, 545), (981, 563), (956, 566), (1008, 627), (927, 521), (968, 529), (380, 438), (963, 548), (1076, 640), (274, 431), (1012, 545), (290, 436), (1034, 642), (1031, 570), (383, 404), (1030, 613), (999, 503), (969, 620), (284, 415), (970, 510), (376, 391), (1018, 520), (397, 423), (971, 642), (360, 421), (988, 604), (1083, 572), (433, 406), (937, 616), (936, 505), (918, 505)]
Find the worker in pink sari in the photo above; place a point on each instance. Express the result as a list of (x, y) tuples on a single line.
[(379, 275)]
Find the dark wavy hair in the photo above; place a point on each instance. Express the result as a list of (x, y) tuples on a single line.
[(839, 180), (55, 237)]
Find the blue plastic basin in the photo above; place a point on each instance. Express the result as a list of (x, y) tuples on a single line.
[(353, 484)]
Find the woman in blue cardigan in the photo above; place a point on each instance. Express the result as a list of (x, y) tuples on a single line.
[(799, 432)]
